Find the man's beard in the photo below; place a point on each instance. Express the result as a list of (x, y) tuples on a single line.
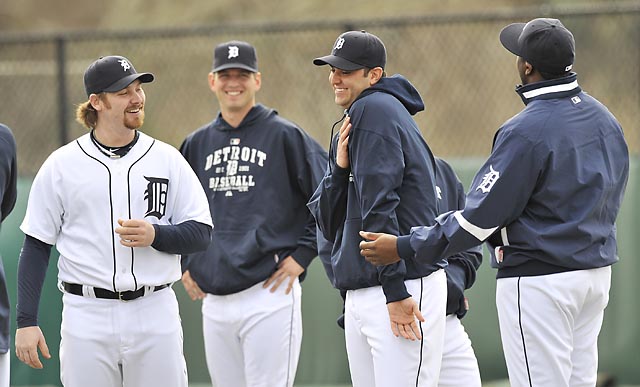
[(134, 123)]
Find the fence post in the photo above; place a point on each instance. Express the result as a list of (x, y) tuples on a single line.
[(61, 64)]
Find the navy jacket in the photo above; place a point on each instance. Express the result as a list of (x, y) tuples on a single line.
[(547, 199), (390, 187), (258, 177), (8, 196)]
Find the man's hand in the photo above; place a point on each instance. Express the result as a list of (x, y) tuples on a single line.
[(287, 268), (192, 288), (28, 341), (381, 250), (135, 232), (401, 315), (342, 155)]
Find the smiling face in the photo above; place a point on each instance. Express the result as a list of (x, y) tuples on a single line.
[(125, 106), (235, 89), (119, 114), (347, 85)]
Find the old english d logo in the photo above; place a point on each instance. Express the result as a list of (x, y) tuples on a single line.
[(156, 196), (488, 180)]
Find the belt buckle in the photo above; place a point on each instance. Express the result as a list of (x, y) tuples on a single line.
[(120, 294)]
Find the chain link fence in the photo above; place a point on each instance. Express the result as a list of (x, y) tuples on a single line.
[(456, 62)]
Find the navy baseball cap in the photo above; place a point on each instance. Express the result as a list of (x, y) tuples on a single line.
[(354, 50), (235, 55), (112, 73), (545, 43)]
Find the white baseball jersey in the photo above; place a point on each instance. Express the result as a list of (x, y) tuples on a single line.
[(79, 194)]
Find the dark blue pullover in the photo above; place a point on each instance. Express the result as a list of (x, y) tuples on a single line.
[(547, 199), (258, 177), (462, 267), (391, 186), (8, 196)]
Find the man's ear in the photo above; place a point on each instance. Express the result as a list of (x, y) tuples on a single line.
[(258, 78), (528, 68), (374, 75), (94, 100), (212, 79)]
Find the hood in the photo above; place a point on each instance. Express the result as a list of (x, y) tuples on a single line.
[(256, 113), (399, 87)]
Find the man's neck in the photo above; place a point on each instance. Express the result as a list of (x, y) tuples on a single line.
[(533, 78), (114, 137), (234, 117)]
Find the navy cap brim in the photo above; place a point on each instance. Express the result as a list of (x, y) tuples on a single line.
[(509, 37), (337, 62), (126, 81), (234, 66)]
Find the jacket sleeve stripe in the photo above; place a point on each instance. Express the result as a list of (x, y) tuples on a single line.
[(503, 234), (479, 233)]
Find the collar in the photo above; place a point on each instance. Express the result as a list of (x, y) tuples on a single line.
[(257, 111), (549, 89), (114, 152)]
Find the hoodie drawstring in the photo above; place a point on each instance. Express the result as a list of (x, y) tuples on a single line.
[(344, 114)]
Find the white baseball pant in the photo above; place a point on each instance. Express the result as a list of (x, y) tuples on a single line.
[(379, 359), (111, 343), (253, 337), (5, 367), (549, 325), (459, 364)]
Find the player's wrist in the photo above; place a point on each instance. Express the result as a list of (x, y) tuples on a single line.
[(403, 245), (395, 290)]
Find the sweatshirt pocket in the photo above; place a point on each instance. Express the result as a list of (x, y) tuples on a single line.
[(241, 247)]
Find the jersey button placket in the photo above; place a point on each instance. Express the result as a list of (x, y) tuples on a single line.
[(121, 211)]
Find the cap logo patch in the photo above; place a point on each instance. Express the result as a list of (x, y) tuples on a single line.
[(234, 52), (339, 43), (488, 180), (125, 65)]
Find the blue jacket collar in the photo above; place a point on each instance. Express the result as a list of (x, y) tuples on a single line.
[(549, 89)]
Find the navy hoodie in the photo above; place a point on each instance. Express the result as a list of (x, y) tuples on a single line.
[(547, 199), (8, 196), (390, 187), (461, 268), (258, 178)]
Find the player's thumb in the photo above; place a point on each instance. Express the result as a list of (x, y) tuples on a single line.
[(370, 236), (44, 349), (121, 222)]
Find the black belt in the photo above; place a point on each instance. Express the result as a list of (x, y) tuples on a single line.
[(128, 295)]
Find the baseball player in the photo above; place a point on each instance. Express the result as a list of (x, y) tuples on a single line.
[(259, 170), (459, 364), (389, 175), (119, 206), (545, 202), (8, 195)]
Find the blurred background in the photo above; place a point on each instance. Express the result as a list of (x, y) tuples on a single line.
[(448, 49)]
